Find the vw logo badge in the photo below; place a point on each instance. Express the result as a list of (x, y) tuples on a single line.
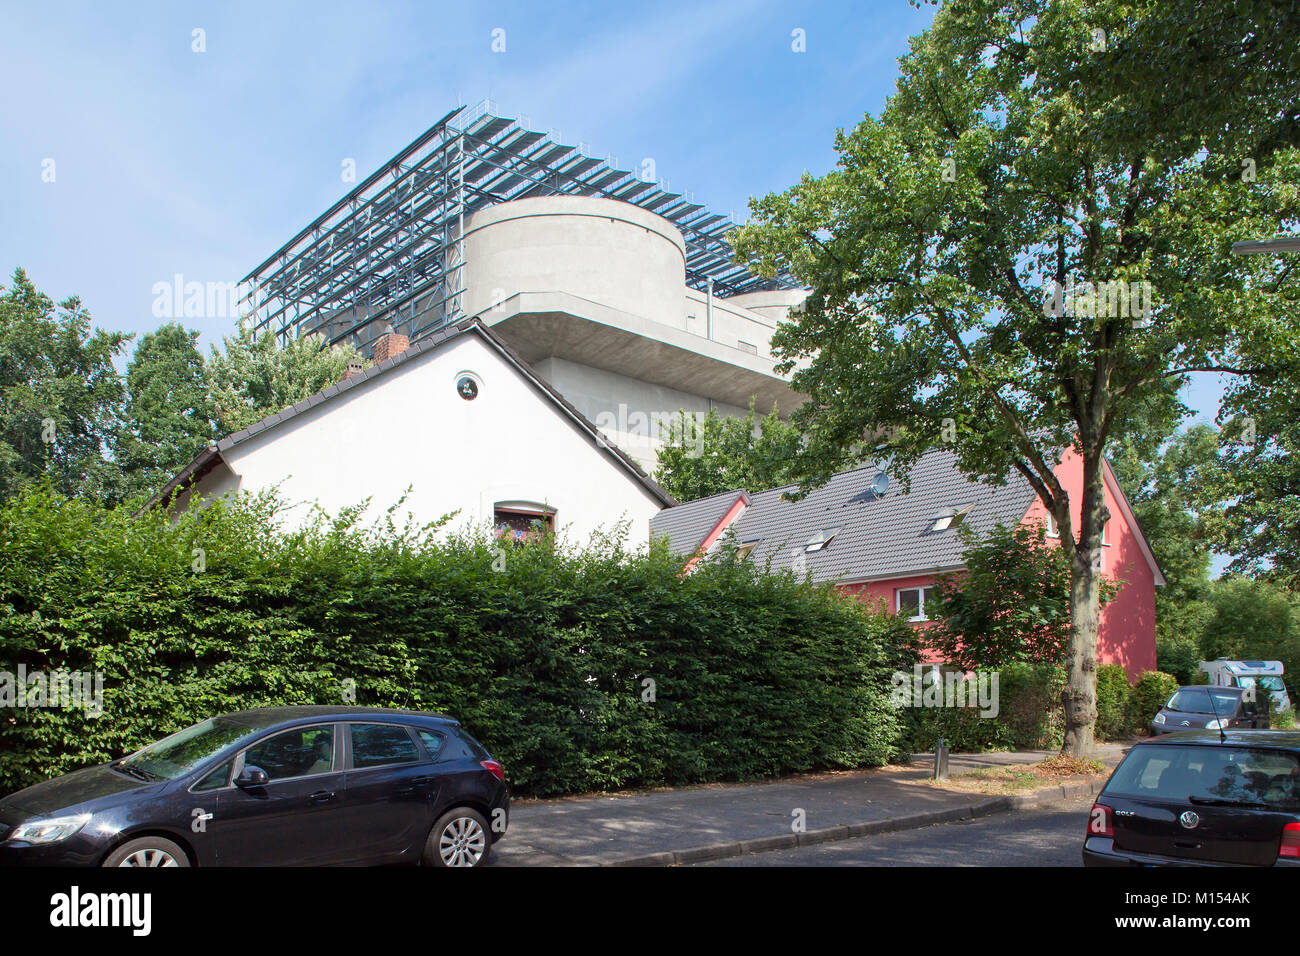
[(1189, 819)]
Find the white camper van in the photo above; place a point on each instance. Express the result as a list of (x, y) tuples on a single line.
[(1264, 676)]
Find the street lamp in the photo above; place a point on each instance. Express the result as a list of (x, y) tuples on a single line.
[(1257, 247)]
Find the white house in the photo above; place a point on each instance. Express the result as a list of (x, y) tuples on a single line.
[(458, 417)]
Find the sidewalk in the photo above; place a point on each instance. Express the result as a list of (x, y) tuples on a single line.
[(711, 821)]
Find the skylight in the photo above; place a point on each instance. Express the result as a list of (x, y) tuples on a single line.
[(949, 518), (821, 539)]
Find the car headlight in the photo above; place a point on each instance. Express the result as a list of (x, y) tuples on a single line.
[(1160, 719), (49, 831), (1217, 724)]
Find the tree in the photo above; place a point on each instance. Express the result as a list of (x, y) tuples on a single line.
[(253, 377), (169, 414), (722, 453), (1252, 508), (1029, 249), (1252, 620), (1011, 603), (60, 396)]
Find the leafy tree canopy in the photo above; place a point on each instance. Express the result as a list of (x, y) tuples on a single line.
[(719, 453), (1044, 170), (60, 396)]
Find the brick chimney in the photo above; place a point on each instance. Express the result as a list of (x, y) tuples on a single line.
[(388, 345), (354, 368)]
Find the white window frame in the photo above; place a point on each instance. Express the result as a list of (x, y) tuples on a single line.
[(920, 601), (1052, 530)]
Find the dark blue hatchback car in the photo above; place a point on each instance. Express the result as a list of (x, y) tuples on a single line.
[(277, 786)]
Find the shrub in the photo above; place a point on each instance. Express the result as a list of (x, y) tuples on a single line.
[(549, 657), (1150, 692), (1113, 692), (1030, 715)]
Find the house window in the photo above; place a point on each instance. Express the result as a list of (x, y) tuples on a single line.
[(949, 518), (1105, 533), (746, 549), (918, 604), (1052, 530), (821, 539), (520, 525)]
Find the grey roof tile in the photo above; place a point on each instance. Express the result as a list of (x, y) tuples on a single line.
[(878, 538)]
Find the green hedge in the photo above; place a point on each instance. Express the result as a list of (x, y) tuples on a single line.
[(1150, 692), (1113, 691), (1030, 715), (542, 655)]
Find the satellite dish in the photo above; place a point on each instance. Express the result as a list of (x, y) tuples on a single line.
[(880, 484)]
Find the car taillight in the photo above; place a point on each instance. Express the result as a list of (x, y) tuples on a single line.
[(494, 768), (1290, 846), (1099, 821)]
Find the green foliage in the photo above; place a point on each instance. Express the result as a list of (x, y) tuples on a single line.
[(254, 376), (60, 396), (1012, 603), (1019, 155), (1113, 692), (169, 414), (545, 661), (722, 453), (1252, 620), (1151, 691), (1029, 715)]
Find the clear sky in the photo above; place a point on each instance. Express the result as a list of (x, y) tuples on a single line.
[(166, 160)]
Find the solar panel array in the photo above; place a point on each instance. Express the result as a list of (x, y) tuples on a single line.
[(388, 254)]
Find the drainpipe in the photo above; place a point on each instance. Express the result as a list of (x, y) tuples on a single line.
[(708, 308)]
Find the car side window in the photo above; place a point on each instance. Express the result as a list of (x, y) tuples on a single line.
[(378, 745), (216, 780), (434, 743), (301, 752)]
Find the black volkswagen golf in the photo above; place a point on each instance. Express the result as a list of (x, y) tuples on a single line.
[(277, 786), (1199, 798)]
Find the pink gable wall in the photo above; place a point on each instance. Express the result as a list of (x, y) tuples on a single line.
[(1127, 635)]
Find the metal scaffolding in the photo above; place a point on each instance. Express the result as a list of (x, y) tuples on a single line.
[(389, 254)]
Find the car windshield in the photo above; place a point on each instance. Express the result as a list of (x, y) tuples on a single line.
[(1196, 700), (1265, 683), (180, 753), (1210, 775)]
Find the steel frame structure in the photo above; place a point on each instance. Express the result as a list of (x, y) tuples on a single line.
[(389, 253)]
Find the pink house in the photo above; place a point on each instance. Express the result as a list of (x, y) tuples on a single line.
[(887, 545)]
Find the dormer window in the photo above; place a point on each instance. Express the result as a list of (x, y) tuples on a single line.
[(822, 538), (949, 518)]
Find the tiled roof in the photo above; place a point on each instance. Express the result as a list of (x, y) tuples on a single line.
[(882, 537)]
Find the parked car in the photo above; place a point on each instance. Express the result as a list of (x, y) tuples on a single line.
[(1210, 708), (276, 786), (1201, 798)]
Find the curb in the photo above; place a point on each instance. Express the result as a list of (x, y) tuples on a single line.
[(847, 831)]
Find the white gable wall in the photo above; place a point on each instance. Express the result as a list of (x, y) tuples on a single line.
[(408, 426)]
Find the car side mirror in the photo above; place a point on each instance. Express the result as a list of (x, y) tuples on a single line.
[(251, 776)]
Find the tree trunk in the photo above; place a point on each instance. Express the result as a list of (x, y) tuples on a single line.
[(1080, 694)]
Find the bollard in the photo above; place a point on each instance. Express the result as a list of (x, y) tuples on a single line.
[(940, 761)]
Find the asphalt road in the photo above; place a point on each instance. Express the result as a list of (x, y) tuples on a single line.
[(1051, 835)]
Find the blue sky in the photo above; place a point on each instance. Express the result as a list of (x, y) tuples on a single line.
[(171, 161)]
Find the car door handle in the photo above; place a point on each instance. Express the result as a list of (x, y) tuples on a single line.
[(415, 783), (322, 796)]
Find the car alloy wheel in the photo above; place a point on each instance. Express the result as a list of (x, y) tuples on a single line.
[(149, 857), (462, 842), (148, 851)]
